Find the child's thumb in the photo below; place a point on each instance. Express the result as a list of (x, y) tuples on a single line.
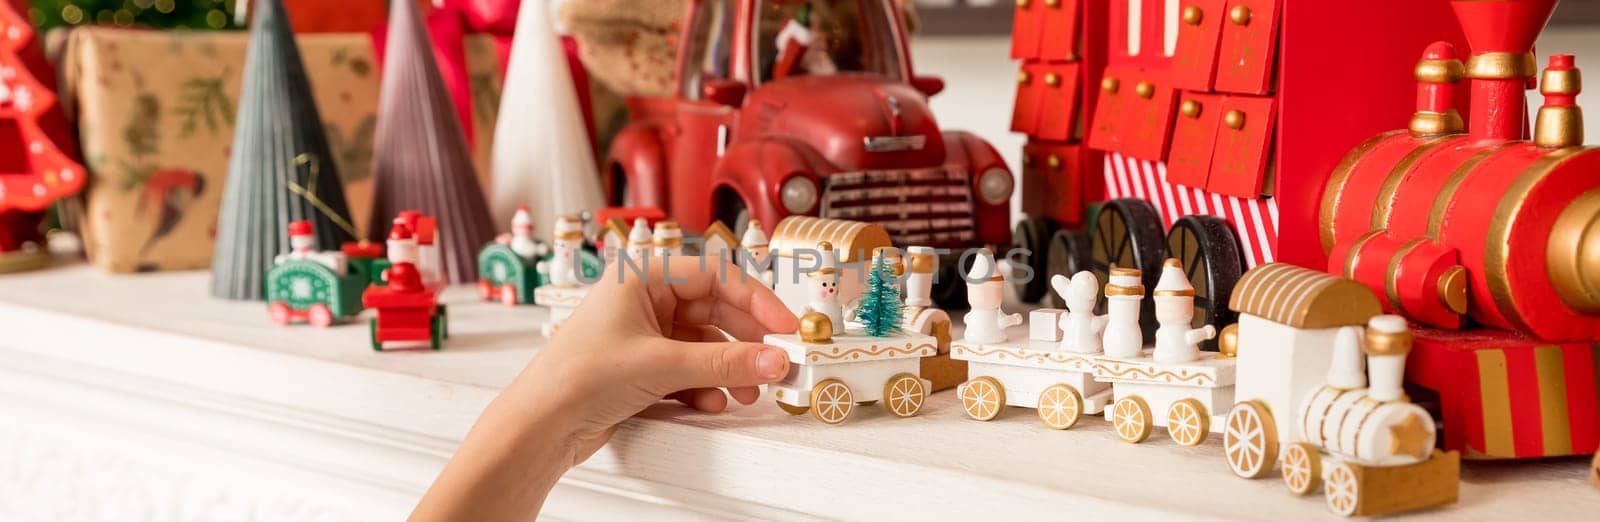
[(727, 364)]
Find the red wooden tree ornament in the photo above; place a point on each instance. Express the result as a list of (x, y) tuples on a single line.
[(36, 167)]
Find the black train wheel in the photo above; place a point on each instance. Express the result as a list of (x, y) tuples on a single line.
[(1209, 251), (1031, 235), (1127, 233), (1067, 251)]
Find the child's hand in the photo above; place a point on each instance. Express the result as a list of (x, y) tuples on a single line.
[(630, 344)]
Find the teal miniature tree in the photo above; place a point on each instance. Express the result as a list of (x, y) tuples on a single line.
[(879, 309)]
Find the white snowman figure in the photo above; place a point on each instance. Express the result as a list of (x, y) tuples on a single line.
[(919, 282), (521, 240), (563, 266), (986, 323), (639, 240), (1176, 342), (822, 285), (1080, 327), (668, 238), (1123, 337), (754, 242)]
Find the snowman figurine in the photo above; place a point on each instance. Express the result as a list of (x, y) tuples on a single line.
[(1080, 327), (822, 285), (562, 268), (521, 239), (986, 323), (668, 239), (639, 240), (1174, 299), (1124, 294)]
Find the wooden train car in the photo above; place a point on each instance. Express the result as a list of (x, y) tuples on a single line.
[(831, 373), (1032, 373), (320, 288), (407, 307)]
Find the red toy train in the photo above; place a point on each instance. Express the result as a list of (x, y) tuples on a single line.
[(1260, 130)]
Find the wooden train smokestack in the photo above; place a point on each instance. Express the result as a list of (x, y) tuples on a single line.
[(1560, 121), (1437, 75), (1388, 343), (1501, 33)]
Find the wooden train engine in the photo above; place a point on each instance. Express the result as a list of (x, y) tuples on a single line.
[(1487, 237)]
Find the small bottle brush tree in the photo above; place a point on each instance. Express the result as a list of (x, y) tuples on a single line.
[(879, 309)]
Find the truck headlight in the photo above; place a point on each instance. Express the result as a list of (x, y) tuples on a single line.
[(994, 186), (798, 193)]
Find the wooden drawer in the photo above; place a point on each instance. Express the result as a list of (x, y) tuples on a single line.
[(1057, 94), (1194, 63), (1194, 134), (1149, 102), (1026, 23), (1025, 112), (1106, 133), (1248, 50), (1243, 146), (1053, 184), (1058, 33)]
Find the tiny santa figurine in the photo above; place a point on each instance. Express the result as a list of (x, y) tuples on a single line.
[(402, 274), (754, 242), (801, 48), (303, 245), (986, 323), (822, 285), (521, 238), (1124, 294), (563, 266), (1080, 327), (639, 240), (668, 238), (1176, 342)]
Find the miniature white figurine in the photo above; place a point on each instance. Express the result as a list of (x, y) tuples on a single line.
[(562, 268), (1348, 368), (755, 243), (1080, 327), (303, 245), (1174, 299), (521, 238), (822, 285), (986, 323), (639, 240), (797, 36), (1387, 344), (919, 284), (1123, 337), (668, 238)]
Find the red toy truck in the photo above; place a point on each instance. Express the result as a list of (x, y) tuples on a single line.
[(812, 108)]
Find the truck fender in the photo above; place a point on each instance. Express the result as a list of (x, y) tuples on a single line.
[(773, 159), (638, 160)]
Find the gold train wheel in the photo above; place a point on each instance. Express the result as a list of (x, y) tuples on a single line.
[(1060, 406), (983, 398), (792, 409), (904, 394), (831, 401), (1131, 418), (1342, 490), (1250, 440), (1188, 423), (1302, 468)]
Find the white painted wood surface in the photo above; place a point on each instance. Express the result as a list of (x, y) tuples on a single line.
[(140, 391)]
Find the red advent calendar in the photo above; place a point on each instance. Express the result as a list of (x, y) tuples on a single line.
[(36, 165)]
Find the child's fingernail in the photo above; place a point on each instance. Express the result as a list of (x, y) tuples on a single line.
[(770, 363)]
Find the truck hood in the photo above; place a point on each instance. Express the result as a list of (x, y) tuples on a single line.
[(843, 116)]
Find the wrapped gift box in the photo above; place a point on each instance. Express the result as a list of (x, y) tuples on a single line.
[(155, 112)]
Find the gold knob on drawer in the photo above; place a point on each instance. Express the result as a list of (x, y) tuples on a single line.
[(1052, 3), (1191, 15), (1022, 4), (1054, 162), (1023, 77), (1110, 85), (1240, 15), (1052, 79), (1234, 119), (1144, 90), (1190, 108), (1027, 161)]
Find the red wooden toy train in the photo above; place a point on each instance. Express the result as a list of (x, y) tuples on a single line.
[(1231, 133)]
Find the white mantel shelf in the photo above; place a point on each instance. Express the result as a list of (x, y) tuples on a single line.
[(127, 382)]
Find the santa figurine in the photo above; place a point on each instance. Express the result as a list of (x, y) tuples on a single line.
[(1174, 300), (562, 267), (801, 49), (1124, 293), (822, 285), (754, 242), (1080, 327), (668, 238), (303, 245), (402, 274), (639, 239), (986, 323), (521, 237)]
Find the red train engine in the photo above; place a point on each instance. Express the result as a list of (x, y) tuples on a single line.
[(1491, 239)]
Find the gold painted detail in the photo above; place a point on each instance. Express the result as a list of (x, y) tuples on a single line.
[(1440, 71), (1501, 66), (1192, 15), (1112, 369), (1496, 253), (1144, 90), (1022, 3), (1561, 81), (1453, 289), (1410, 437), (1117, 290), (1572, 254), (1053, 161), (1388, 343), (1190, 108), (1427, 123), (853, 240), (1558, 127), (1228, 342), (1234, 119), (1446, 194), (1303, 298), (1335, 186), (1017, 356), (1240, 15), (1052, 3), (1555, 417), (887, 351), (815, 327), (1110, 85), (1023, 77), (1052, 79)]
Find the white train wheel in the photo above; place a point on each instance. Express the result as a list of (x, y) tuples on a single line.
[(1060, 406), (1188, 423), (1250, 440), (1343, 490), (1131, 417), (1302, 468), (831, 401), (903, 395), (983, 398)]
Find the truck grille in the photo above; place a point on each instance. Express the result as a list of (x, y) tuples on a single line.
[(931, 207)]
